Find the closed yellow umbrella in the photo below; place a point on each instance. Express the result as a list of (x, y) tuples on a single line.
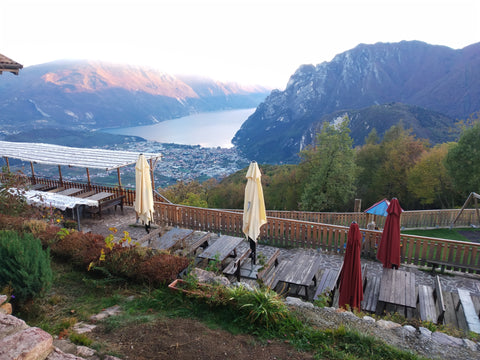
[(143, 192), (254, 214)]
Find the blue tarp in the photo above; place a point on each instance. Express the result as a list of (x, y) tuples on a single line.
[(379, 208)]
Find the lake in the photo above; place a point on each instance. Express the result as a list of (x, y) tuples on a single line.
[(212, 129)]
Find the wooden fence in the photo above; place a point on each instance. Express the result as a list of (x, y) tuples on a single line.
[(409, 220), (283, 232)]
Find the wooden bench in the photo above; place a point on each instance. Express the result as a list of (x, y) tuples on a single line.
[(106, 204), (443, 264), (147, 239), (271, 278), (371, 290), (273, 261), (223, 247), (328, 283), (430, 302), (234, 267)]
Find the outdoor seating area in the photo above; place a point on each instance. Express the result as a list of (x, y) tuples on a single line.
[(308, 275)]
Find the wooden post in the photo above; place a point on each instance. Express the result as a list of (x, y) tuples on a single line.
[(88, 180), (151, 175), (60, 175), (8, 164), (119, 180), (33, 173), (358, 205)]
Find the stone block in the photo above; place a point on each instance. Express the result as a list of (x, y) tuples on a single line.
[(58, 354), (6, 308), (29, 344), (10, 324)]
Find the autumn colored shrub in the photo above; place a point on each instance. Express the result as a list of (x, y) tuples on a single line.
[(124, 261), (162, 268), (8, 222), (78, 247)]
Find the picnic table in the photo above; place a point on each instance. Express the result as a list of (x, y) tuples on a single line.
[(70, 192), (222, 248), (397, 289), (99, 196), (301, 272)]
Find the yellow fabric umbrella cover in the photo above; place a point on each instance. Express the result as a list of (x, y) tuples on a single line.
[(254, 214), (143, 191)]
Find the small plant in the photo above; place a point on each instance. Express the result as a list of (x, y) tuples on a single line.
[(80, 339), (324, 299), (214, 265), (262, 307)]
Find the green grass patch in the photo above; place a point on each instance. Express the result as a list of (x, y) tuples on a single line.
[(449, 234)]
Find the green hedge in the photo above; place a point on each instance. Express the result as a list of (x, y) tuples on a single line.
[(24, 265)]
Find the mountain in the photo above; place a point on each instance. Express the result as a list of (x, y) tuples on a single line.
[(435, 79), (85, 95)]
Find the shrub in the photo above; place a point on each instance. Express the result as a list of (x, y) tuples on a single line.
[(24, 265), (78, 247), (162, 268)]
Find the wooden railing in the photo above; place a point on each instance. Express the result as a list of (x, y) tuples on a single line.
[(282, 232), (409, 219)]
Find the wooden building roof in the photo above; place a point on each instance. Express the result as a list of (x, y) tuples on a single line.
[(9, 65)]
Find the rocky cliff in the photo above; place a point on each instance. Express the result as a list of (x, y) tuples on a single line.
[(434, 78)]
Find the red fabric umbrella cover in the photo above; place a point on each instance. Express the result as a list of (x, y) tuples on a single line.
[(351, 287), (389, 249)]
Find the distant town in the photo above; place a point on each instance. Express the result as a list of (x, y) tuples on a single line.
[(179, 163)]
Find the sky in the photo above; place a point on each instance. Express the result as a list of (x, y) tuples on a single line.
[(247, 41)]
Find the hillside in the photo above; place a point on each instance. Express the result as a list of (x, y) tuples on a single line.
[(85, 95), (440, 84)]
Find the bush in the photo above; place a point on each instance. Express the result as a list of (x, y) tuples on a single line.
[(162, 268), (78, 247), (24, 265)]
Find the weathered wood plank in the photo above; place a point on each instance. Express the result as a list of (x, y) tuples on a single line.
[(471, 317)]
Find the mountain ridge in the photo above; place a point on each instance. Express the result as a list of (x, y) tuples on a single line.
[(436, 78), (89, 95)]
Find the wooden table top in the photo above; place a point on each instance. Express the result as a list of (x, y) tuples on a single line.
[(100, 196), (301, 270), (70, 192), (223, 246), (398, 287)]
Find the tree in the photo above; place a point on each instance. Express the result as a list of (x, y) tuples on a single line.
[(328, 170), (463, 160), (429, 181), (398, 153)]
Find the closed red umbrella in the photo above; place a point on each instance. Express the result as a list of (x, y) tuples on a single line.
[(389, 249), (351, 286)]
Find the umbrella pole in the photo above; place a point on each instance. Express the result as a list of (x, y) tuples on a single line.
[(253, 247)]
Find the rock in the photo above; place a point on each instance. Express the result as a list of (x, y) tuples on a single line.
[(85, 351), (32, 343), (409, 329), (81, 327), (425, 334), (6, 309), (10, 324), (65, 346), (3, 298), (469, 344), (110, 357), (111, 311), (293, 301), (368, 319), (208, 277), (58, 354), (387, 324), (445, 339)]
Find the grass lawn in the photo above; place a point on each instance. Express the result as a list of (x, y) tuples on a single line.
[(453, 234)]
